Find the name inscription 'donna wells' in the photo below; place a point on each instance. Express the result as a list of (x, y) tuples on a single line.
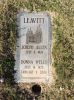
[(33, 48)]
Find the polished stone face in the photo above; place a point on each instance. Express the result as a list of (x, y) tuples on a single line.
[(33, 47)]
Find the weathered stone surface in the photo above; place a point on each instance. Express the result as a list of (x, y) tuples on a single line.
[(33, 48)]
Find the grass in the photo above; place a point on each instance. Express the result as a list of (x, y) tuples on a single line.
[(63, 47)]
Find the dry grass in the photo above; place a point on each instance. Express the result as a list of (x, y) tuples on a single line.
[(62, 12)]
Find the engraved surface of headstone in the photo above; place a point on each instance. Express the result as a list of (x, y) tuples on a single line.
[(33, 47)]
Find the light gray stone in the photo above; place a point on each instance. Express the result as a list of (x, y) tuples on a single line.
[(33, 48)]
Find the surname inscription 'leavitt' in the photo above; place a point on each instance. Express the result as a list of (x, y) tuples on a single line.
[(33, 20)]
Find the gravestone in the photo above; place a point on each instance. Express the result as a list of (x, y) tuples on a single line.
[(33, 47)]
